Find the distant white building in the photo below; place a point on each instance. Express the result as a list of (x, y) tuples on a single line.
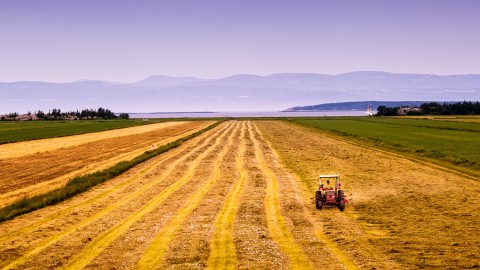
[(407, 109)]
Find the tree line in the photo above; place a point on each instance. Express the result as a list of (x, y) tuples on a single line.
[(435, 108), (100, 113)]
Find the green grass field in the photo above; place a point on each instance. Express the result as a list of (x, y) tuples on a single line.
[(454, 143), (15, 131)]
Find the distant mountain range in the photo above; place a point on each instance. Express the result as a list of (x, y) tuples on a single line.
[(236, 93)]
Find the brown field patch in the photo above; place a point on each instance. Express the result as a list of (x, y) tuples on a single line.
[(20, 149), (38, 173)]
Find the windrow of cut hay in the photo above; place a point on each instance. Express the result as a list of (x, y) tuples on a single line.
[(83, 183)]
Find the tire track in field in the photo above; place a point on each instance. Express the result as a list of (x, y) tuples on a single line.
[(101, 243), (339, 254), (53, 239), (48, 185), (276, 222), (222, 247), (163, 158), (159, 245)]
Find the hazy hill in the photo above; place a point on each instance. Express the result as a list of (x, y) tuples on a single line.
[(241, 92), (354, 106), (164, 81)]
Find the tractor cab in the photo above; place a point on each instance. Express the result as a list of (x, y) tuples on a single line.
[(332, 178), (330, 194)]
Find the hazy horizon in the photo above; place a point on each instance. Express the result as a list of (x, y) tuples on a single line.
[(232, 75), (127, 41), (237, 93)]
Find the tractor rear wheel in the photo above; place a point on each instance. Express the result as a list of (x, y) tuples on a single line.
[(341, 205), (318, 199), (319, 205)]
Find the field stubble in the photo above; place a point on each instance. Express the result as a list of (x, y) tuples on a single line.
[(50, 228), (225, 200), (173, 204), (403, 214)]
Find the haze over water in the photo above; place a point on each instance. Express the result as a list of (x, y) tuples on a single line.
[(246, 114)]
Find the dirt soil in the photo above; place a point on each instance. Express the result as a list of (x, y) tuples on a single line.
[(228, 200), (44, 171)]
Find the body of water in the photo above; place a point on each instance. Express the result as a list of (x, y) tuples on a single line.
[(245, 114)]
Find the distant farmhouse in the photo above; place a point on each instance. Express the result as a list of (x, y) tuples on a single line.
[(408, 109)]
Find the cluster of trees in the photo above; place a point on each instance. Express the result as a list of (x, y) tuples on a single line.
[(83, 114), (460, 108), (387, 111), (72, 115), (435, 108)]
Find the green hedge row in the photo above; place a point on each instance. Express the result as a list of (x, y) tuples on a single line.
[(83, 183)]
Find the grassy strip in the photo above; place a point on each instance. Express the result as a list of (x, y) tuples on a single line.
[(83, 183), (415, 122)]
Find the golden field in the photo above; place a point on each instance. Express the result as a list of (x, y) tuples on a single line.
[(239, 197)]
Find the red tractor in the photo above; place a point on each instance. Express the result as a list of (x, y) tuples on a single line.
[(328, 194)]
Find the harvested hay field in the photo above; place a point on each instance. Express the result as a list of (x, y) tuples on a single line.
[(238, 196), (20, 149), (412, 215), (40, 172)]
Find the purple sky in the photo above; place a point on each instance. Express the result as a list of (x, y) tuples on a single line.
[(127, 41)]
